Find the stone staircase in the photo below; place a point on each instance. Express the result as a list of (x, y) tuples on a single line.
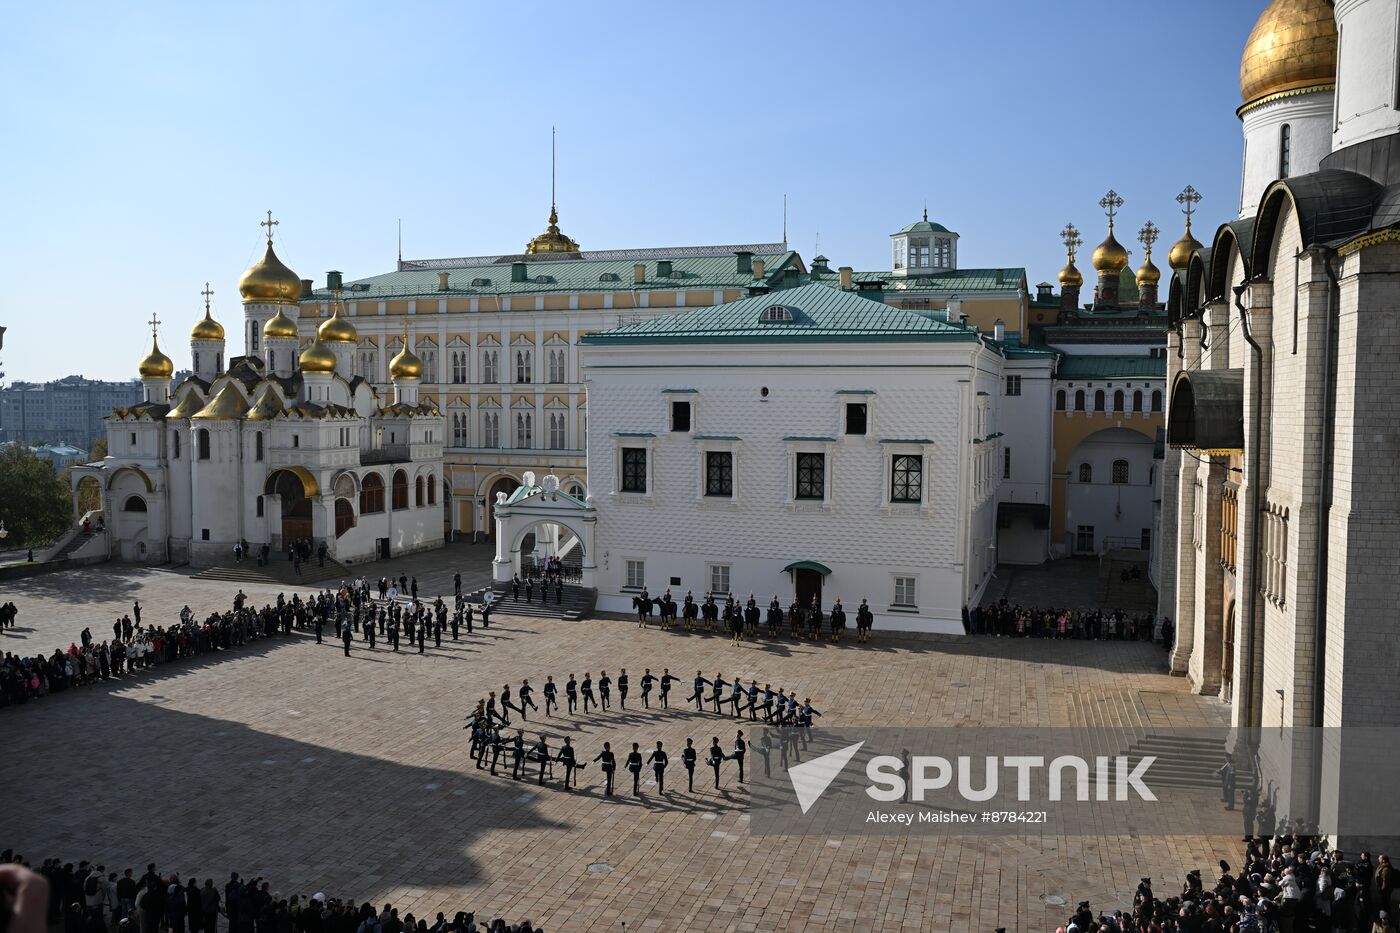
[(578, 603), (76, 542), (1187, 760), (276, 572)]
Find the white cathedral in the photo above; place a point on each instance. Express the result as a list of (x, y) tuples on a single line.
[(282, 444)]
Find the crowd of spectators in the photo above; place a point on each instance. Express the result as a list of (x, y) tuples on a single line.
[(1003, 618)]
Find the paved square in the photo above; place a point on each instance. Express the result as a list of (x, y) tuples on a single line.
[(351, 776)]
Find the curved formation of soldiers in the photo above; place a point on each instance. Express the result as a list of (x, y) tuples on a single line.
[(742, 620), (490, 719)]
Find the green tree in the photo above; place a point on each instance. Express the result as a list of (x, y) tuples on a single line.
[(33, 501), (99, 450)]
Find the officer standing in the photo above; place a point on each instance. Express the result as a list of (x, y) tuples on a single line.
[(688, 760), (634, 764), (716, 756), (658, 767), (345, 635), (609, 761), (318, 629)]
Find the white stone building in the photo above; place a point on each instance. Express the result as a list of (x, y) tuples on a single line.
[(283, 444), (1283, 412), (813, 441)]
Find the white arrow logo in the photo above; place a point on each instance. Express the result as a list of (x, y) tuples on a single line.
[(811, 778)]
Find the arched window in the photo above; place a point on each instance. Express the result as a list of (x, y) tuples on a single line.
[(524, 371), (1060, 400), (371, 494), (1098, 400), (400, 494), (432, 490), (1285, 149), (556, 430), (1079, 400), (1120, 472), (1086, 473), (418, 493), (556, 365), (203, 438), (490, 366), (344, 517), (491, 429), (134, 504), (258, 444), (1156, 399), (524, 430), (1118, 400), (1137, 400)]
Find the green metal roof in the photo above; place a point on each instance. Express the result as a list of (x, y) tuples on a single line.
[(822, 569), (493, 277), (953, 281), (1112, 367), (818, 314), (923, 226)]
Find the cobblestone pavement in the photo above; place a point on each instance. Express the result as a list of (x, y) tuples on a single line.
[(351, 775)]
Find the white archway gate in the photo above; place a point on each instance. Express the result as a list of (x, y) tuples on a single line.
[(535, 504)]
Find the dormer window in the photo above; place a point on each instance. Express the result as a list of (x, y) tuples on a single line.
[(776, 314)]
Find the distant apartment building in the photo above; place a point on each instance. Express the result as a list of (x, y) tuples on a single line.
[(67, 410)]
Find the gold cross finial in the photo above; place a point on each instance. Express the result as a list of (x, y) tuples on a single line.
[(1148, 235), (1188, 198), (1072, 240), (154, 322), (269, 224), (207, 293), (1110, 203)]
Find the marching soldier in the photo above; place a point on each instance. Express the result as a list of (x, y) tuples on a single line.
[(666, 679), (517, 750), (609, 761), (688, 759), (717, 690), (716, 756), (634, 764), (658, 767), (587, 690), (551, 695), (767, 702), (570, 763), (622, 689), (740, 748), (571, 693), (736, 693), (647, 681), (525, 700), (497, 742), (540, 752), (605, 689), (752, 705), (506, 704), (698, 696)]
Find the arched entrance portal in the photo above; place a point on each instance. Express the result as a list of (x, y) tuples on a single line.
[(538, 541), (560, 524), (294, 487), (507, 485)]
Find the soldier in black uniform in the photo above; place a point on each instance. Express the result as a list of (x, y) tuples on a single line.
[(506, 704), (666, 679), (688, 759), (485, 615), (456, 616), (689, 611), (551, 695), (605, 688), (497, 741), (838, 620), (369, 633), (775, 617), (456, 584), (767, 702), (609, 761), (736, 694), (698, 696), (345, 635), (517, 749), (622, 689), (571, 693), (658, 766), (422, 634), (540, 752), (736, 623), (752, 705), (740, 748), (318, 630), (491, 712), (865, 619), (796, 619), (647, 682), (814, 619), (717, 690), (709, 610), (765, 748), (570, 763), (751, 615), (529, 588), (394, 633), (587, 690), (716, 756), (525, 700), (634, 764)]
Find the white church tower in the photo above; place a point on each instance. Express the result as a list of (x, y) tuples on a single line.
[(269, 290), (207, 343)]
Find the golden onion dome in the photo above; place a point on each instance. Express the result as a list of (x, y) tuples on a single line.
[(406, 365), (336, 329), (207, 329), (1110, 256), (1180, 256), (317, 358), (268, 280), (552, 241), (1070, 275), (228, 405), (156, 365), (280, 327), (1293, 45), (1148, 273)]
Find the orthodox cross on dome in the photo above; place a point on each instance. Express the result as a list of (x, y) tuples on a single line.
[(1188, 198), (1110, 203), (207, 293), (1148, 235), (1072, 240), (154, 322), (269, 224)]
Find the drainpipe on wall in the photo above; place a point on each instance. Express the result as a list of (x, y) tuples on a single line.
[(1326, 443), (1252, 509)]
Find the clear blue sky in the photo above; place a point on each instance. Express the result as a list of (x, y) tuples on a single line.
[(143, 142)]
